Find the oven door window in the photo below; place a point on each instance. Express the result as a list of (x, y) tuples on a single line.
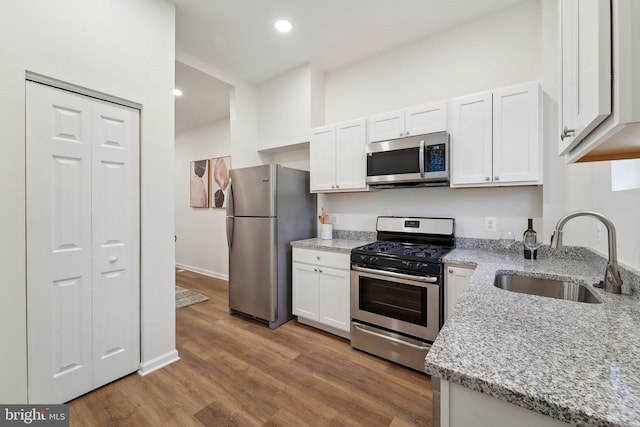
[(395, 162), (395, 300)]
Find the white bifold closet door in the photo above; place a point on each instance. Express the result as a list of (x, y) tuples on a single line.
[(83, 244)]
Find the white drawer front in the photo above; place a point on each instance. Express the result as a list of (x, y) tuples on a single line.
[(325, 258)]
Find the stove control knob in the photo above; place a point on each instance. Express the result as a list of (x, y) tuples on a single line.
[(420, 266), (409, 265), (374, 260)]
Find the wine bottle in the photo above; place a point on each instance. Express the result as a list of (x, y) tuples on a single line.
[(531, 233)]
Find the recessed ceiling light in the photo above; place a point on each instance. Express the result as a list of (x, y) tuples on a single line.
[(283, 26), (177, 92)]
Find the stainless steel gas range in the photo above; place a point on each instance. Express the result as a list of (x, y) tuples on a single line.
[(397, 295)]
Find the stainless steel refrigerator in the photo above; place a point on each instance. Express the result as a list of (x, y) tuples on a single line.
[(268, 207)]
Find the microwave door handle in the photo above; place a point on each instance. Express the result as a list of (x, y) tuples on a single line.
[(421, 161)]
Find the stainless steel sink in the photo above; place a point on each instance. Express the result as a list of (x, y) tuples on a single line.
[(551, 288)]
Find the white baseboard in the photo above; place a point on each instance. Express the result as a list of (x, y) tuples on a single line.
[(157, 363), (203, 271)]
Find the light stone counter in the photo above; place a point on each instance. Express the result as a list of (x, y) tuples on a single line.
[(343, 241), (576, 362)]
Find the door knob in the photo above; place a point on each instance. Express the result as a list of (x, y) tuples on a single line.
[(113, 259)]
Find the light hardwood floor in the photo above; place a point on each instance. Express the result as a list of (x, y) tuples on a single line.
[(236, 372)]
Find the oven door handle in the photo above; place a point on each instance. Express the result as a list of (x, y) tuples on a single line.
[(424, 279), (361, 328)]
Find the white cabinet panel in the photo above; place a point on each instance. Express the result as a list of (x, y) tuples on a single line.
[(386, 126), (427, 118), (321, 293), (418, 120), (600, 49), (335, 298), (337, 157), (586, 68), (322, 158), (456, 281), (495, 137), (471, 139), (305, 291), (351, 166), (516, 134)]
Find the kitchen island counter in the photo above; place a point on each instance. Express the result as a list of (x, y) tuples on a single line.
[(575, 362)]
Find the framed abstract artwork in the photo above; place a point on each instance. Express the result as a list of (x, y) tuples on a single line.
[(199, 184), (220, 181)]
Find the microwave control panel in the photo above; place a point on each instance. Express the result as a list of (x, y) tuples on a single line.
[(436, 158)]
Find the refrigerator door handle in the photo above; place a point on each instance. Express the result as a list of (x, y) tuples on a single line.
[(230, 206), (230, 231)]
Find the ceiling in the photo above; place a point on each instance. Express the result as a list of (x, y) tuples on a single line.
[(238, 36)]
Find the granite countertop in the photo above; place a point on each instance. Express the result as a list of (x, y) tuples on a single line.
[(343, 241), (576, 362)]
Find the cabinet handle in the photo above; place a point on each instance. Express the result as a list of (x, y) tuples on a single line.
[(337, 186), (315, 269), (486, 178), (496, 178), (566, 133), (318, 257), (333, 186), (407, 133), (451, 270), (320, 271)]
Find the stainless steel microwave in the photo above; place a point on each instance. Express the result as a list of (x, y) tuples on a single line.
[(421, 160)]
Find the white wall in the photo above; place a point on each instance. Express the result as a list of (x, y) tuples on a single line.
[(118, 47), (243, 110), (469, 207), (202, 239), (289, 105), (497, 50), (587, 186)]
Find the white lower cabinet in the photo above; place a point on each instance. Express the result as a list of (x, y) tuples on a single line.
[(462, 407), (320, 290), (456, 281)]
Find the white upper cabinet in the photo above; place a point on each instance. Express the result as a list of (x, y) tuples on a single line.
[(586, 68), (600, 102), (471, 139), (417, 120), (322, 158), (495, 137), (337, 157), (517, 147)]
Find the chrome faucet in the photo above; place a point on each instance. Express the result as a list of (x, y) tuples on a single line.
[(612, 279)]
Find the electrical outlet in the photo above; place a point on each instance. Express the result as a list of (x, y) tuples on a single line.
[(490, 223), (599, 231)]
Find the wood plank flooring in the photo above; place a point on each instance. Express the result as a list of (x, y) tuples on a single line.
[(237, 372)]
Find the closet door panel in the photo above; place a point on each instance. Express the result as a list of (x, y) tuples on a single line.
[(116, 300), (58, 211)]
